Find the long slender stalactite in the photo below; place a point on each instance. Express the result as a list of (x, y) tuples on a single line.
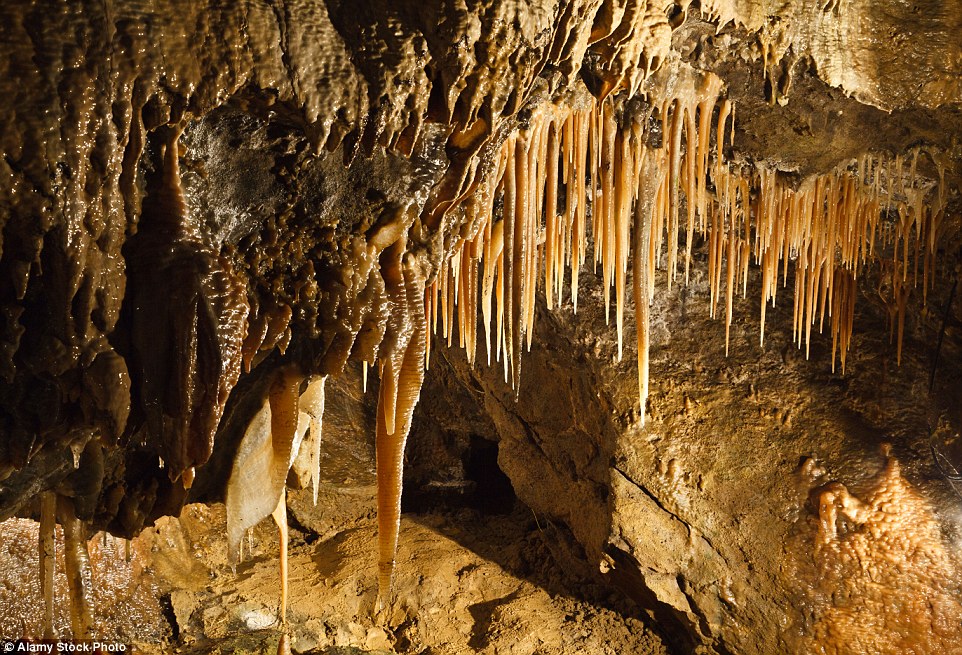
[(48, 559), (77, 562), (402, 374)]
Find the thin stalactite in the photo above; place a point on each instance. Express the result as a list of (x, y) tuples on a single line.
[(79, 576), (48, 560)]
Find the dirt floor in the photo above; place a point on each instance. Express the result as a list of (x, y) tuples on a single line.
[(181, 595)]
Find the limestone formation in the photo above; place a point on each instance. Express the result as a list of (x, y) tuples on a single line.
[(209, 209)]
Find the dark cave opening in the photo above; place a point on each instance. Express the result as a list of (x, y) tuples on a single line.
[(482, 485), (493, 493)]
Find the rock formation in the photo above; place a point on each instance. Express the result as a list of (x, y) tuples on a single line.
[(209, 209)]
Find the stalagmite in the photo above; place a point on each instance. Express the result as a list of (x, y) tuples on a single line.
[(48, 524), (77, 561)]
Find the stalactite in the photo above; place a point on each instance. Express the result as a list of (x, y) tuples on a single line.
[(189, 320), (312, 404), (829, 226), (48, 524), (642, 264), (731, 230), (674, 183), (843, 310), (506, 277), (264, 457), (280, 517), (405, 364), (623, 197), (516, 278), (77, 562), (553, 239), (605, 237), (580, 132)]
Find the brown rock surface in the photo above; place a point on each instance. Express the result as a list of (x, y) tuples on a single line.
[(704, 515)]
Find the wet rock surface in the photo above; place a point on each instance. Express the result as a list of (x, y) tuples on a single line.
[(130, 606), (93, 89)]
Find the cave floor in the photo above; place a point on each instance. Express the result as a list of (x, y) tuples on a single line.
[(465, 583)]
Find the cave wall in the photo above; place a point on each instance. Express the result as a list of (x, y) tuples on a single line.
[(276, 240), (708, 515), (89, 92)]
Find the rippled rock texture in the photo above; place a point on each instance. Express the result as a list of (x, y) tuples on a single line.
[(311, 138)]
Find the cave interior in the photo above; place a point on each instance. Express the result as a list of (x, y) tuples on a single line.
[(443, 327)]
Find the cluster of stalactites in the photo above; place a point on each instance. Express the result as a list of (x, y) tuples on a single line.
[(80, 600), (580, 164), (400, 362), (572, 166), (570, 159), (286, 431), (833, 226)]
